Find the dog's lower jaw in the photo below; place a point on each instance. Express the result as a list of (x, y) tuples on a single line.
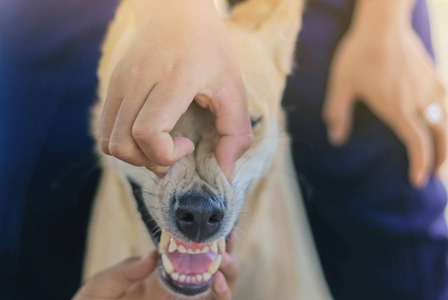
[(188, 268), (168, 283)]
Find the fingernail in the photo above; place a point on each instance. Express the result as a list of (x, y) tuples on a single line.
[(147, 256), (220, 283), (336, 136), (420, 180)]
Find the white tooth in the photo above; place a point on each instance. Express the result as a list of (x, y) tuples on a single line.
[(205, 249), (167, 264), (182, 278), (181, 249), (197, 251), (189, 251), (175, 276), (198, 278), (193, 279), (188, 280), (214, 247), (206, 276), (222, 245), (173, 246), (164, 239), (214, 266)]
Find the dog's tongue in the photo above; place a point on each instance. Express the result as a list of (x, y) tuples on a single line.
[(185, 263), (190, 263)]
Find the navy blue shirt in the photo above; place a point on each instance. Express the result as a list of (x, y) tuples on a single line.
[(49, 51)]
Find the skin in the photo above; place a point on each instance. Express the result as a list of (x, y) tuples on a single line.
[(137, 278), (382, 62), (191, 58)]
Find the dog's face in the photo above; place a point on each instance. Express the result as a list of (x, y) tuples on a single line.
[(190, 211)]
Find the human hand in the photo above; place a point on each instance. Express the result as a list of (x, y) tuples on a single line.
[(382, 61), (136, 279), (182, 52)]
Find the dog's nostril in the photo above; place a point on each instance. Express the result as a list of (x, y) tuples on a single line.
[(186, 217), (216, 218)]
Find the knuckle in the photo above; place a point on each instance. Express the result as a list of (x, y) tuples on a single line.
[(174, 68), (136, 72), (180, 70), (397, 106), (142, 132), (104, 146), (122, 151), (161, 158), (159, 170), (116, 75)]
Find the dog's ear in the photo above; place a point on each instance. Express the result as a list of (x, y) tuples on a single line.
[(275, 22)]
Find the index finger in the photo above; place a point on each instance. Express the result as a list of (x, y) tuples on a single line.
[(232, 123), (164, 106)]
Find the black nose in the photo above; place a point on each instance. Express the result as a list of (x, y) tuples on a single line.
[(199, 217)]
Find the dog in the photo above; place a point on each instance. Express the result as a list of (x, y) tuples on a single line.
[(135, 211)]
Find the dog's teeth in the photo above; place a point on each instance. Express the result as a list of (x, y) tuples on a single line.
[(206, 276), (189, 251), (198, 278), (173, 246), (164, 239), (193, 279), (182, 278), (188, 279), (222, 245), (167, 264), (175, 276), (181, 249), (214, 247), (214, 266), (197, 251), (205, 249)]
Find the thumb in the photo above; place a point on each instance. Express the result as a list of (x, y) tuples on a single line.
[(337, 111), (221, 290), (115, 281)]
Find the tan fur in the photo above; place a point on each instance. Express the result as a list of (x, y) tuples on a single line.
[(275, 249)]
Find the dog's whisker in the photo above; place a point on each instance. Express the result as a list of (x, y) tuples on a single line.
[(241, 232)]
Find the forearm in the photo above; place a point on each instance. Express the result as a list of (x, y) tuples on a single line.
[(382, 14)]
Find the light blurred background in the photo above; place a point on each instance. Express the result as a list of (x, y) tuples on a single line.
[(439, 14)]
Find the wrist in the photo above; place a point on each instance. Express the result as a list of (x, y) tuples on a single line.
[(382, 16)]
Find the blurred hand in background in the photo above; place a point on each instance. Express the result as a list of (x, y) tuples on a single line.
[(382, 62)]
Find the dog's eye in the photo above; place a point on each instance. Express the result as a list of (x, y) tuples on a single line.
[(254, 121)]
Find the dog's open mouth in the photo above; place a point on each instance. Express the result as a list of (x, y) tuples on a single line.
[(186, 268)]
